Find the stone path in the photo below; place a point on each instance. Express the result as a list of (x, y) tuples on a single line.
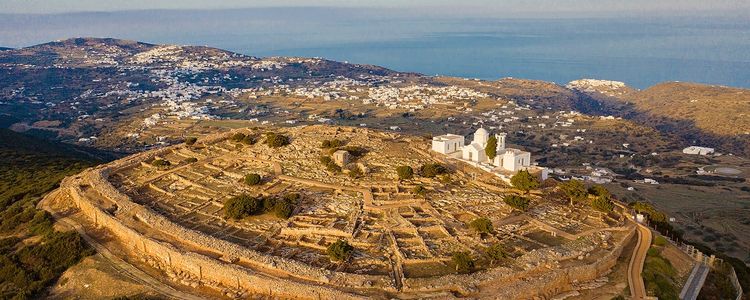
[(695, 282)]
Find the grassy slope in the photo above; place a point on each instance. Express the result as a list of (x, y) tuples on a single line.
[(719, 110), (32, 254), (659, 275)]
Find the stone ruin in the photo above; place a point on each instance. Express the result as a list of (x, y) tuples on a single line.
[(173, 219)]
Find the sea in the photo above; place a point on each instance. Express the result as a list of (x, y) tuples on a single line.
[(638, 50)]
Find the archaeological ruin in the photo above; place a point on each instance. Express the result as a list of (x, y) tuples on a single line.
[(171, 217)]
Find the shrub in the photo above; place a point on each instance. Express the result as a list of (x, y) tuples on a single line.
[(517, 202), (252, 179), (433, 169), (292, 197), (332, 143), (355, 151), (653, 214), (242, 206), (190, 160), (574, 190), (659, 241), (275, 140), (603, 204), (283, 209), (463, 261), (340, 250), (330, 165), (191, 140), (523, 180), (238, 137), (419, 190), (482, 225), (405, 172), (355, 172), (161, 163), (249, 140), (598, 190), (495, 252)]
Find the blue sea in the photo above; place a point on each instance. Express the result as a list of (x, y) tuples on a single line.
[(641, 51)]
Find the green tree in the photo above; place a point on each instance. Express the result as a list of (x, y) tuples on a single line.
[(603, 204), (599, 190), (517, 202), (432, 169), (161, 163), (491, 148), (355, 172), (495, 252), (275, 140), (340, 250), (283, 209), (523, 180), (249, 140), (242, 206), (574, 190), (419, 190), (482, 225), (253, 179), (326, 144), (238, 137), (463, 261), (405, 172), (191, 140)]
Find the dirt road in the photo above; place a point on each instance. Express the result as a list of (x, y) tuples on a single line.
[(635, 268)]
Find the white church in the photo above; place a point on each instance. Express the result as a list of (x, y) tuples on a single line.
[(508, 159)]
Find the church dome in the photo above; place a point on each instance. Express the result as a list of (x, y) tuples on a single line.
[(481, 136)]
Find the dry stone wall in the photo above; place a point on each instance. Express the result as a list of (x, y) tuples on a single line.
[(237, 267)]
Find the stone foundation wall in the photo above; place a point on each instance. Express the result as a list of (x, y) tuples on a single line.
[(528, 284), (197, 267), (237, 267)]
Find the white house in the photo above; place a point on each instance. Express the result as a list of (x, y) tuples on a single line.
[(696, 150), (474, 152), (513, 160), (447, 143)]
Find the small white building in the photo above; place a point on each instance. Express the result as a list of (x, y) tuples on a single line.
[(513, 160), (474, 152), (696, 150), (447, 143)]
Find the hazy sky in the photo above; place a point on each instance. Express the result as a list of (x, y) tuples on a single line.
[(466, 6)]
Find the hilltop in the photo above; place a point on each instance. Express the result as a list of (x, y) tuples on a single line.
[(131, 97)]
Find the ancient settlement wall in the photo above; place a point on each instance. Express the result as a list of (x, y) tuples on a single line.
[(221, 264)]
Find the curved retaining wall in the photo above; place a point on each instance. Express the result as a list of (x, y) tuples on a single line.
[(292, 279)]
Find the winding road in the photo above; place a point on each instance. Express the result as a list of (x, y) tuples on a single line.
[(635, 268)]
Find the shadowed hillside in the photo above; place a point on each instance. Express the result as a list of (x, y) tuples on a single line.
[(32, 253), (694, 114)]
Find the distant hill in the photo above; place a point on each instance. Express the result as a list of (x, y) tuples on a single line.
[(5, 48), (698, 114), (716, 109)]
